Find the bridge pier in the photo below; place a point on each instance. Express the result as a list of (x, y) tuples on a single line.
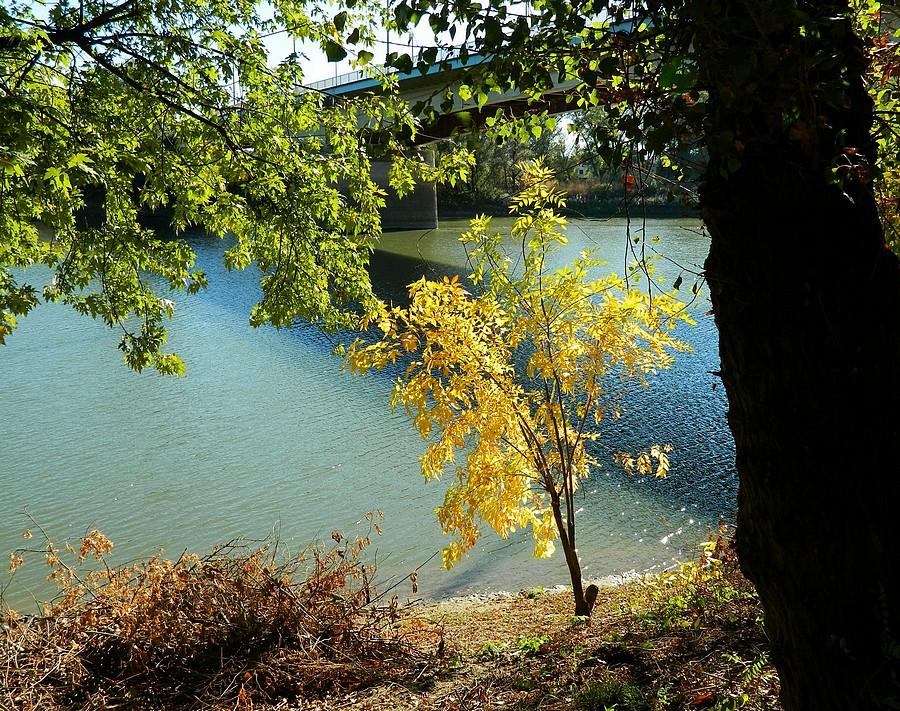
[(415, 211)]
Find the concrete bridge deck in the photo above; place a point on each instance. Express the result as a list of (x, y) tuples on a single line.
[(430, 88)]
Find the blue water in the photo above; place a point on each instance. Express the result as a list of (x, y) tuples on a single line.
[(266, 436)]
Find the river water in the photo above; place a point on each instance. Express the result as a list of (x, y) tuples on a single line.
[(266, 436)]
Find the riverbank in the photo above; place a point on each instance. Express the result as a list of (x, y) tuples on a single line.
[(236, 632), (689, 639), (454, 208)]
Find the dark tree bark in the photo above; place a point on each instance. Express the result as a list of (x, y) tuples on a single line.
[(565, 526), (807, 302)]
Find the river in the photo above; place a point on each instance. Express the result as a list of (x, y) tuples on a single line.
[(266, 437)]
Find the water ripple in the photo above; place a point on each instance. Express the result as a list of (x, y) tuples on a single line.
[(265, 434)]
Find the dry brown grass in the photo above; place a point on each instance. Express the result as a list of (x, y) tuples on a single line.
[(236, 630)]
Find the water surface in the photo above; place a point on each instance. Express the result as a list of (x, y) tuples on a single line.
[(265, 436)]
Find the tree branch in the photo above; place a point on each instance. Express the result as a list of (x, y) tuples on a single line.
[(78, 33)]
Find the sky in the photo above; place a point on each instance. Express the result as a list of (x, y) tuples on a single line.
[(317, 66)]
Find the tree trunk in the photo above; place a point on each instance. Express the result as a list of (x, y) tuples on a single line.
[(807, 302), (567, 540)]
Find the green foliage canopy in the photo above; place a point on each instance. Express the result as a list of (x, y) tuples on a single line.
[(640, 63), (109, 112)]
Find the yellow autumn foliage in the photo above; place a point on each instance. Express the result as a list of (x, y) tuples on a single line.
[(507, 385)]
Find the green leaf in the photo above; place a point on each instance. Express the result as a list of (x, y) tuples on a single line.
[(334, 52), (678, 74), (429, 56), (404, 64), (163, 130)]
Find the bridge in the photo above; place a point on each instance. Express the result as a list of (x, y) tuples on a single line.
[(418, 210), (430, 86)]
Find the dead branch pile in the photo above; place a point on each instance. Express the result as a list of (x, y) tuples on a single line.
[(202, 632)]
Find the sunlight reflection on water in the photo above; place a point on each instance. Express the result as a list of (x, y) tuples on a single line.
[(266, 434)]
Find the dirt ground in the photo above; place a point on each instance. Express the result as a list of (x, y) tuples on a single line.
[(202, 638), (675, 643)]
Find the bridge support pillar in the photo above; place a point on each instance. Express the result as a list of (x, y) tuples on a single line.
[(415, 211)]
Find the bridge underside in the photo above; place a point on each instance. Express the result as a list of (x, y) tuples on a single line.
[(419, 209), (468, 120)]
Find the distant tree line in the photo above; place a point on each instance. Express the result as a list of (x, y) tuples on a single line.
[(575, 148)]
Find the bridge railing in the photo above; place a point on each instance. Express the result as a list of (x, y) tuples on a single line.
[(446, 54), (339, 80)]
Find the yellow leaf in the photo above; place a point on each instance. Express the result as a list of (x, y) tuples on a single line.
[(513, 428)]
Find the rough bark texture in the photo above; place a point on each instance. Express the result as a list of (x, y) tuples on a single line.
[(807, 303)]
